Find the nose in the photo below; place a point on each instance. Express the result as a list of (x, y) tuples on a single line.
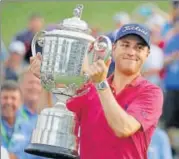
[(131, 51), (9, 101)]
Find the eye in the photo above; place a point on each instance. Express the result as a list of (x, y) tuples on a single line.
[(125, 45), (140, 47)]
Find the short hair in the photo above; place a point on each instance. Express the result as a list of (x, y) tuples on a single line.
[(35, 16), (11, 85)]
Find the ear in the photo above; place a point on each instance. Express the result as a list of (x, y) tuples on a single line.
[(113, 50), (148, 52)]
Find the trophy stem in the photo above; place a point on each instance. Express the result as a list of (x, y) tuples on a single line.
[(60, 100)]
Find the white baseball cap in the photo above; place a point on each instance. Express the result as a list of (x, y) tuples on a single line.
[(17, 47), (122, 17)]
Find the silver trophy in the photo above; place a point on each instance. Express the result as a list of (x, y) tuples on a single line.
[(65, 53)]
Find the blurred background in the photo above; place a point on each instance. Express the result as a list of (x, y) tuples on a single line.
[(21, 91)]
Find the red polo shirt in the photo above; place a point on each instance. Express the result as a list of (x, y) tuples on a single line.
[(141, 99)]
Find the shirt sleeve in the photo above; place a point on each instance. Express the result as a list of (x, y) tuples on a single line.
[(147, 107), (79, 104)]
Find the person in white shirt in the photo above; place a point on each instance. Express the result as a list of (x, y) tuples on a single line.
[(153, 65), (4, 153)]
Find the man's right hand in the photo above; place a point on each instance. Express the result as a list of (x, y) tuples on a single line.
[(35, 63)]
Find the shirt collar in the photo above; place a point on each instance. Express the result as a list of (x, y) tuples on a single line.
[(135, 82), (27, 110), (5, 123)]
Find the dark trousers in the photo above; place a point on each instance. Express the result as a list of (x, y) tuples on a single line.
[(171, 109)]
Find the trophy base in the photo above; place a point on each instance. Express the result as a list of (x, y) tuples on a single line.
[(51, 151)]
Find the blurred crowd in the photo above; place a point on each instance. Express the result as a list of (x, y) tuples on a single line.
[(22, 96)]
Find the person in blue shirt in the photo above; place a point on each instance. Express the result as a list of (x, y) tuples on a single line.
[(31, 88), (171, 80), (160, 146), (15, 132), (170, 24)]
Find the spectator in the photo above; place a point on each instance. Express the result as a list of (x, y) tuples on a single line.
[(171, 108), (155, 23), (3, 56), (14, 63), (171, 81), (120, 19), (168, 26), (155, 61), (160, 146), (15, 133), (36, 23), (153, 65), (31, 88)]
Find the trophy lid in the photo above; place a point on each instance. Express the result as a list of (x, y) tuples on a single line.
[(75, 23)]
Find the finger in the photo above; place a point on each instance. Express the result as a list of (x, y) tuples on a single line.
[(101, 64), (108, 62), (98, 67), (93, 70), (39, 56), (32, 59)]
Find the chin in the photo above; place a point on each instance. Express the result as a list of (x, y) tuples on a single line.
[(128, 72)]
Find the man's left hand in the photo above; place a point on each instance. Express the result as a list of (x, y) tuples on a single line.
[(98, 70)]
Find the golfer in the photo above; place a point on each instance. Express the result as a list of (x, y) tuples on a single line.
[(117, 116)]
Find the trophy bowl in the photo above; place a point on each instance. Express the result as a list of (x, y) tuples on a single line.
[(66, 52)]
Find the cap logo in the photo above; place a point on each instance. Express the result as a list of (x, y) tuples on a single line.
[(135, 28)]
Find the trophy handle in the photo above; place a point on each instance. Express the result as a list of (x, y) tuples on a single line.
[(38, 38), (102, 48)]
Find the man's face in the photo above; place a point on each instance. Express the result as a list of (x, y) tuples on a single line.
[(36, 24), (130, 53), (31, 88), (11, 100), (16, 58)]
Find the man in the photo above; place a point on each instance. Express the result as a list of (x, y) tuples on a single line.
[(14, 64), (15, 133), (120, 19), (155, 61), (171, 82), (35, 24), (31, 89), (117, 116), (167, 30), (3, 57)]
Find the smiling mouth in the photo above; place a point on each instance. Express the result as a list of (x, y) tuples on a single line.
[(130, 59)]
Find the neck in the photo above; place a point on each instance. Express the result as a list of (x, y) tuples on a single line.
[(10, 120), (121, 80), (31, 107)]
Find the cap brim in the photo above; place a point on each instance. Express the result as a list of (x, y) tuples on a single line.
[(136, 35)]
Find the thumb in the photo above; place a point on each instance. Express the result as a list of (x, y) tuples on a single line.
[(108, 62)]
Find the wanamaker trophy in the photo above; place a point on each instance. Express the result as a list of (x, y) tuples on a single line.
[(64, 54)]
